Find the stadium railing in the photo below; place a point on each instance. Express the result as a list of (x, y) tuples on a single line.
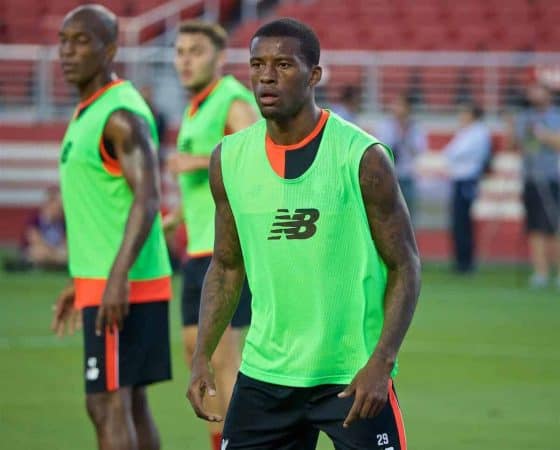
[(31, 85), (33, 92)]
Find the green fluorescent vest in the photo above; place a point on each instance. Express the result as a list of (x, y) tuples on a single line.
[(199, 135), (317, 280), (97, 203)]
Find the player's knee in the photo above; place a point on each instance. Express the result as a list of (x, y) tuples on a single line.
[(96, 409), (105, 407)]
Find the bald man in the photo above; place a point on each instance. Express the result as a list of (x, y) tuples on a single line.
[(117, 254)]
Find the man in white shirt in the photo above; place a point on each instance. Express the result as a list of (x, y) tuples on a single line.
[(406, 138), (466, 155)]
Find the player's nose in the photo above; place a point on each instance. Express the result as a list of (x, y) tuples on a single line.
[(268, 74)]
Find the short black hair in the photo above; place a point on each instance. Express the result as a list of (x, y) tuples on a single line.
[(287, 27), (474, 109), (213, 31)]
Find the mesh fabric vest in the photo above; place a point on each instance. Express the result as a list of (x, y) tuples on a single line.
[(97, 201), (317, 280), (199, 134)]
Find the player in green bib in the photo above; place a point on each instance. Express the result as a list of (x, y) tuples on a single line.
[(117, 254), (218, 105), (308, 206)]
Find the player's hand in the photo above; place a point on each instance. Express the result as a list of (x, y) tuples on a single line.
[(170, 222), (370, 390), (114, 305), (65, 314), (202, 383)]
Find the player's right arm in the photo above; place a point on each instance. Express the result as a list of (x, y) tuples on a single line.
[(220, 293), (240, 115), (64, 313)]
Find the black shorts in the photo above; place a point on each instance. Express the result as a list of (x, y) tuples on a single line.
[(136, 356), (194, 271), (265, 416), (542, 206)]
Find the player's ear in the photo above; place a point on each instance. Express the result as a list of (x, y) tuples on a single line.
[(316, 74), (110, 51), (221, 58)]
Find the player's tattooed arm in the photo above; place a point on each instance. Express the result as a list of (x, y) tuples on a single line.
[(129, 141), (220, 292), (392, 232)]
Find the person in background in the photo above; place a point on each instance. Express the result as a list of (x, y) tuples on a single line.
[(348, 104), (466, 157), (44, 243), (219, 105), (407, 140), (537, 134), (109, 183)]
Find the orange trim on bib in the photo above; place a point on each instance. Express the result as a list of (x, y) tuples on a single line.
[(200, 97), (276, 153), (306, 140), (200, 254), (96, 95), (89, 291), (110, 164)]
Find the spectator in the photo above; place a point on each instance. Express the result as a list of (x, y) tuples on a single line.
[(348, 105), (44, 237), (463, 92), (466, 156), (537, 134), (407, 140)]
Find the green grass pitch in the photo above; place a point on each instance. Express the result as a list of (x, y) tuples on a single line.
[(480, 369)]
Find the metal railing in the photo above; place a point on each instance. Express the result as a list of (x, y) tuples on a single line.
[(32, 88)]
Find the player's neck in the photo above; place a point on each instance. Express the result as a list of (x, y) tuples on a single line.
[(296, 128), (96, 83), (194, 91)]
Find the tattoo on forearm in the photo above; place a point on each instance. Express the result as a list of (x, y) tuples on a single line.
[(392, 232), (224, 279)]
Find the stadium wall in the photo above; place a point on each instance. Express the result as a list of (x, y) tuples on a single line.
[(29, 155)]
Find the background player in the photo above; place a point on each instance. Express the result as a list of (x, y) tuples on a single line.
[(219, 105), (117, 254), (310, 206)]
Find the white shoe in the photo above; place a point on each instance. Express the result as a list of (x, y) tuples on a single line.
[(537, 281)]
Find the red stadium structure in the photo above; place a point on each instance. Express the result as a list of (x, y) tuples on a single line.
[(435, 45)]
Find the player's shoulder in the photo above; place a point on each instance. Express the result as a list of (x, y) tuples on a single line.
[(357, 139), (229, 82), (344, 126), (342, 129), (256, 129)]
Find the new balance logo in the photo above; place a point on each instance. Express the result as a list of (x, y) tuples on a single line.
[(92, 371), (300, 225)]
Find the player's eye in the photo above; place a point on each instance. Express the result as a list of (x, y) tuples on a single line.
[(284, 65), (256, 65)]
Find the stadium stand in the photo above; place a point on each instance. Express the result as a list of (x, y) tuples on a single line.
[(350, 31), (491, 25), (36, 21)]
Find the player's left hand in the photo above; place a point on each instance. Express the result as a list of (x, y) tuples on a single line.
[(370, 390), (65, 314), (114, 305)]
